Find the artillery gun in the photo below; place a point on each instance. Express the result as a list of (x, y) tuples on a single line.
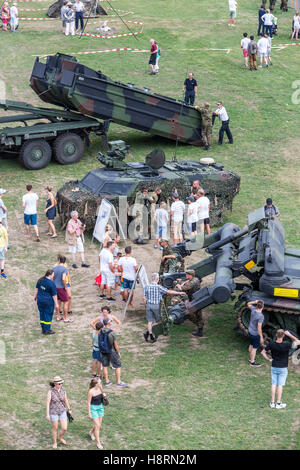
[(265, 270)]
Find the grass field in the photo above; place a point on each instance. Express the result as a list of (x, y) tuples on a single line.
[(184, 393)]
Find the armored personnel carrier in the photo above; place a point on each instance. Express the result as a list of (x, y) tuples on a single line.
[(118, 178), (265, 270)]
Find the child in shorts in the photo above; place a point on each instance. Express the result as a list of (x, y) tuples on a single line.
[(97, 363)]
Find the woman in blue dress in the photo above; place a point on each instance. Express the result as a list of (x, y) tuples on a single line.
[(46, 298), (50, 211)]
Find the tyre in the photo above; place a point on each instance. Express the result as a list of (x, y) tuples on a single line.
[(35, 154), (68, 148)]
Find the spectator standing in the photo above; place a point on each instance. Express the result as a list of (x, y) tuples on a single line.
[(50, 211), (161, 218), (129, 269), (190, 86), (153, 54), (79, 8), (176, 215), (296, 26), (255, 329), (3, 249), (96, 409), (68, 284), (261, 24), (60, 273), (3, 209), (156, 68), (152, 295), (279, 370), (107, 271), (203, 206), (75, 239), (269, 59), (5, 15), (232, 11), (110, 353), (62, 14), (69, 16), (262, 46), (244, 45), (252, 51), (97, 365), (46, 299), (222, 113), (106, 315), (267, 18), (56, 409), (270, 209), (192, 216), (29, 204), (14, 18)]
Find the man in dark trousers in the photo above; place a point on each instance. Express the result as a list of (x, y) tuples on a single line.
[(261, 24), (190, 87), (222, 113)]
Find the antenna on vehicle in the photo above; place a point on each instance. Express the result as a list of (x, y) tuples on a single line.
[(121, 19), (174, 158)]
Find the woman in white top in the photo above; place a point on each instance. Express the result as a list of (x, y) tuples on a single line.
[(296, 25)]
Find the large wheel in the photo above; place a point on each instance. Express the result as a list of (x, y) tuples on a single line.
[(68, 148), (35, 154)]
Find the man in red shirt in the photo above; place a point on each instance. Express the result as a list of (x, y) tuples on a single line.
[(153, 54)]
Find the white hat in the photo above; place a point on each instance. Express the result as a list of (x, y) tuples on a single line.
[(2, 191)]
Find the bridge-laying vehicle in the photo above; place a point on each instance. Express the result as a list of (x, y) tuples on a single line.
[(265, 270)]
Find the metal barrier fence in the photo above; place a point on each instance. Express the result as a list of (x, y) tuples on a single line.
[(294, 4)]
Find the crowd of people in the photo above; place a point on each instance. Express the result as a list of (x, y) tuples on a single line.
[(10, 16)]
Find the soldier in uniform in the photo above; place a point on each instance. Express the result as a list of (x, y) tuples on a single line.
[(272, 4), (190, 286), (170, 262), (195, 187), (206, 125), (142, 199), (284, 5)]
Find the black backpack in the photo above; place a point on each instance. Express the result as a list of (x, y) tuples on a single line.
[(104, 346)]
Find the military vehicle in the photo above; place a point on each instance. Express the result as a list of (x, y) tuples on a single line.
[(266, 270), (62, 81), (91, 9), (118, 178)]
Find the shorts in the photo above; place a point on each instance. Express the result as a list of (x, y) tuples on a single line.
[(127, 284), (78, 247), (245, 52), (4, 222), (268, 52), (14, 21), (112, 358), (97, 411), (58, 417), (30, 219), (152, 60), (232, 13), (177, 229), (279, 375), (152, 313), (193, 227), (162, 232), (62, 294), (108, 279), (2, 253), (262, 54), (63, 23), (96, 355), (254, 341), (118, 279)]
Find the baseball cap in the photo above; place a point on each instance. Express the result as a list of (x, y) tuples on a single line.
[(190, 198), (175, 195)]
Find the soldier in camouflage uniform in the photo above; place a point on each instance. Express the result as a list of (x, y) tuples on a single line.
[(284, 5), (272, 5), (206, 125), (170, 262), (190, 286), (142, 199)]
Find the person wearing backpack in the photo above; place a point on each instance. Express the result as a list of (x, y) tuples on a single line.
[(50, 211), (252, 51), (110, 353)]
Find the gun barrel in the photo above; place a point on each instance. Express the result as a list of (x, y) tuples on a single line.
[(237, 233)]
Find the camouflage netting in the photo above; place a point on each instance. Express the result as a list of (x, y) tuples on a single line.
[(91, 8)]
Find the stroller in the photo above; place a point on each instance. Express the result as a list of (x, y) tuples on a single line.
[(274, 29)]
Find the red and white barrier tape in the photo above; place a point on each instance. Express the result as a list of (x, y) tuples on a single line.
[(111, 37), (40, 19), (111, 21), (126, 49)]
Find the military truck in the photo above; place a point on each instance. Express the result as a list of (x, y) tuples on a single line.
[(118, 178), (265, 269)]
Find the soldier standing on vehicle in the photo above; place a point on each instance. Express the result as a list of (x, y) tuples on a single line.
[(206, 124), (190, 286), (190, 87), (222, 113)]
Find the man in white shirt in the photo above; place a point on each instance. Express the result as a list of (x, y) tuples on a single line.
[(128, 266), (107, 271), (29, 204), (161, 218), (176, 214), (262, 46), (203, 205), (244, 45), (192, 215), (79, 8), (14, 20), (232, 12), (222, 113)]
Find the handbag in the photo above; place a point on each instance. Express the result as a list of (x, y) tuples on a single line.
[(105, 400), (70, 417)]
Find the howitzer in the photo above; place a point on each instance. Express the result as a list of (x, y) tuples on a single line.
[(258, 253)]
